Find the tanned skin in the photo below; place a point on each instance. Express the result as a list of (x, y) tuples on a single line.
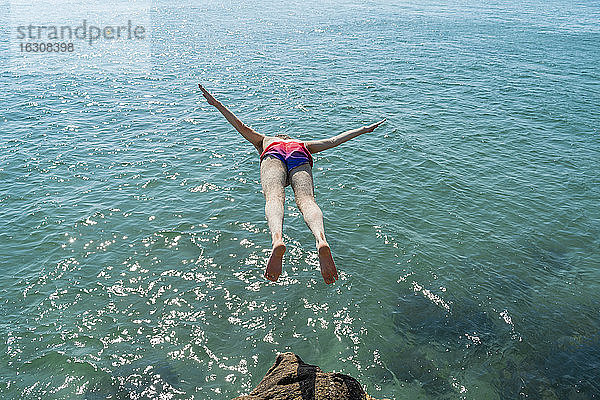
[(275, 177)]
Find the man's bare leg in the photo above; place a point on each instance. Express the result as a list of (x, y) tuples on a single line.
[(302, 183), (273, 176)]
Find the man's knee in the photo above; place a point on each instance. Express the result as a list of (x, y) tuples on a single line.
[(274, 194), (307, 203)]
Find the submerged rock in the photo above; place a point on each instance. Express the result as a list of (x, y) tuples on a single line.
[(292, 379)]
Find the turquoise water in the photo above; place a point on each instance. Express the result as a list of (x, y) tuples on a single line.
[(466, 230)]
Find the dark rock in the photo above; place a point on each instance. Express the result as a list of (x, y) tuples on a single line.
[(292, 379)]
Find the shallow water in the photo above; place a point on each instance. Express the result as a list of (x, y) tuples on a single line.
[(465, 229)]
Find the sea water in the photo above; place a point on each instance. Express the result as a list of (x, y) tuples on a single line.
[(465, 230)]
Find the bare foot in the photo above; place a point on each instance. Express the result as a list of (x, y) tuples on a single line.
[(274, 264), (328, 269)]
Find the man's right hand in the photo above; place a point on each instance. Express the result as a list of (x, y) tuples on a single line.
[(372, 127)]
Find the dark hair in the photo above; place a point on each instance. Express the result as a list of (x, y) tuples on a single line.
[(283, 136)]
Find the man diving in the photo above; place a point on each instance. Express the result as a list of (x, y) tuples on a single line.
[(285, 161)]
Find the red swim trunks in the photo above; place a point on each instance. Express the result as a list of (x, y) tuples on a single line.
[(292, 154)]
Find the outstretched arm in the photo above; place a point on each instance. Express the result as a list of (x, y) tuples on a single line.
[(314, 146), (248, 133)]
